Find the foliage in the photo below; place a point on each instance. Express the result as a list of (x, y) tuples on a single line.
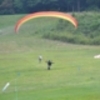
[(28, 6), (86, 33)]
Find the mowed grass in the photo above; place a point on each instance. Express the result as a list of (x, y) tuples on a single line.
[(73, 76)]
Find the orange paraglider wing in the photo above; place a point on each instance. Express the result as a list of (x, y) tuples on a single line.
[(56, 14)]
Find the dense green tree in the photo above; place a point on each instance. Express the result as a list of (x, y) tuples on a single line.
[(6, 7), (93, 4), (19, 6), (28, 6)]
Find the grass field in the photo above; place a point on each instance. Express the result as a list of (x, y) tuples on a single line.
[(73, 76)]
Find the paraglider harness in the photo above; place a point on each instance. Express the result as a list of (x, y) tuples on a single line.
[(49, 64)]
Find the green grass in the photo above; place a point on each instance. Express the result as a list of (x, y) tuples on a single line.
[(73, 76)]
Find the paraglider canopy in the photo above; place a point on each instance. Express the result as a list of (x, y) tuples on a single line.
[(56, 14)]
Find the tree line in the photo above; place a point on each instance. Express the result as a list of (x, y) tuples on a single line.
[(28, 6)]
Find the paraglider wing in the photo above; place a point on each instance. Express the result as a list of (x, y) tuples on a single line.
[(56, 14)]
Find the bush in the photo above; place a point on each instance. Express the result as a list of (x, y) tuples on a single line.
[(88, 31)]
